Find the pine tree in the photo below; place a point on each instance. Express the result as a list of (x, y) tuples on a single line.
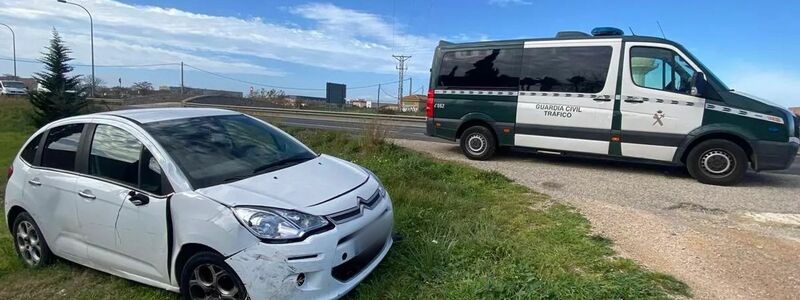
[(62, 95)]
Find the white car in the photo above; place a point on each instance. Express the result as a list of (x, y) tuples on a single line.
[(12, 88), (206, 202)]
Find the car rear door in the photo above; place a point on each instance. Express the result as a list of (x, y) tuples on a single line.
[(124, 225), (49, 191), (658, 109), (566, 97)]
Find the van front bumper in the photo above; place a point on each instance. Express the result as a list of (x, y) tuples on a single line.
[(775, 155), (332, 263)]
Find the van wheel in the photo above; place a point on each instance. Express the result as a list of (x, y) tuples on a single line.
[(29, 242), (717, 162), (478, 143), (207, 276)]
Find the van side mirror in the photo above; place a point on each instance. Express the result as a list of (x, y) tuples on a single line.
[(699, 84)]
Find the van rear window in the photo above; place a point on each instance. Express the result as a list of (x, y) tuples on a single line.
[(480, 69), (565, 69)]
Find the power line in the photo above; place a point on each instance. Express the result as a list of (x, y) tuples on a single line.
[(98, 66)]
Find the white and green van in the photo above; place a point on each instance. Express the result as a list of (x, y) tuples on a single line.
[(627, 97)]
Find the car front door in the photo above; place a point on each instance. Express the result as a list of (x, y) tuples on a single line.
[(123, 223), (657, 107), (566, 96), (50, 191)]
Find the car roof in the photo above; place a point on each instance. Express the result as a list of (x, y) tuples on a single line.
[(150, 115)]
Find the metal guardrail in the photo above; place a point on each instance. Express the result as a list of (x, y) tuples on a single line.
[(306, 112)]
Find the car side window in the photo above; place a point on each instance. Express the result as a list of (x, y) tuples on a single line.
[(61, 147), (29, 152), (660, 69), (115, 155)]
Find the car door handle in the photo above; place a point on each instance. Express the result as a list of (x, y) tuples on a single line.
[(87, 194), (602, 99), (35, 182)]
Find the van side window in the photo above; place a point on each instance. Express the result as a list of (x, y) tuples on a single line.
[(115, 155), (660, 69), (61, 146), (565, 69), (480, 69), (29, 152)]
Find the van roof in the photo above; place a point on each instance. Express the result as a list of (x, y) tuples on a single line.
[(514, 42)]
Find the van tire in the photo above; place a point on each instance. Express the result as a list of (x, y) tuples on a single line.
[(192, 283), (478, 143), (29, 242), (717, 162)]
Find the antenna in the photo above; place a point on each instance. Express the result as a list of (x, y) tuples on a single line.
[(662, 30), (631, 29)]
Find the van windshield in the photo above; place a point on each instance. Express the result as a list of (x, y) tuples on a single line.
[(14, 84), (221, 149)]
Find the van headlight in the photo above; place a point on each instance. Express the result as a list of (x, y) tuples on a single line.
[(279, 225)]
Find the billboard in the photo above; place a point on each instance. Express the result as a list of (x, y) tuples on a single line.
[(335, 93)]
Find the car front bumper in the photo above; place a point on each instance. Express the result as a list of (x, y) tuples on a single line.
[(775, 155), (332, 263)]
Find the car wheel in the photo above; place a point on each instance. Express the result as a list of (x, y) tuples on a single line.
[(478, 143), (207, 276), (29, 242), (717, 162)]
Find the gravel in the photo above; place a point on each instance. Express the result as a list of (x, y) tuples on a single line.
[(739, 242)]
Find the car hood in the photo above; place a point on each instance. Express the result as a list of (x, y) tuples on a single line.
[(296, 187), (16, 90)]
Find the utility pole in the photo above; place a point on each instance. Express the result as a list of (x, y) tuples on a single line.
[(91, 38), (182, 78), (401, 67), (410, 85), (379, 98), (13, 47)]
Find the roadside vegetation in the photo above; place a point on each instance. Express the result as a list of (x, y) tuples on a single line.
[(466, 234)]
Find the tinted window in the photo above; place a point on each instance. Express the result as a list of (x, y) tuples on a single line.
[(115, 155), (565, 69), (150, 174), (219, 149), (29, 152), (480, 69), (61, 146), (660, 69)]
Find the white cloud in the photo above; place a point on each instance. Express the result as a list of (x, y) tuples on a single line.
[(509, 2), (338, 39)]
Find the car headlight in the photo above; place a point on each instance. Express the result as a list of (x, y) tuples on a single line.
[(278, 224)]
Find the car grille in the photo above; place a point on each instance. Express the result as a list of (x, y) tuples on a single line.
[(355, 212), (353, 267)]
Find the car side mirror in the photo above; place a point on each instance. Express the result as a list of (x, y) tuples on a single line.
[(138, 199), (699, 84)]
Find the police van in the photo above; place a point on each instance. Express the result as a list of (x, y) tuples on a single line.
[(628, 97)]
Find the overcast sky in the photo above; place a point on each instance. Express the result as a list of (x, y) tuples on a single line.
[(301, 45)]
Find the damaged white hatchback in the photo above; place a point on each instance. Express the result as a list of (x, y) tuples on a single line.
[(210, 203)]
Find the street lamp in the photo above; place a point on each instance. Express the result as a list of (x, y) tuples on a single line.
[(91, 33), (13, 47)]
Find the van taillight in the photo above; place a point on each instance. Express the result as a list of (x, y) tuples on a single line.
[(429, 105), (10, 171)]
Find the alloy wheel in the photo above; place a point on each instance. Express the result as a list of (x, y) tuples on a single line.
[(29, 243), (209, 281)]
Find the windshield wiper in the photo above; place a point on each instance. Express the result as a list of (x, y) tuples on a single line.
[(282, 164)]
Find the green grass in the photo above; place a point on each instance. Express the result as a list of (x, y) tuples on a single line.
[(466, 234)]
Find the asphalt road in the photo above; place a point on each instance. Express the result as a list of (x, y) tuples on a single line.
[(418, 133)]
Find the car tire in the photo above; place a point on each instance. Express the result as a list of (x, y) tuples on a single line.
[(29, 242), (206, 276), (478, 143), (717, 162)]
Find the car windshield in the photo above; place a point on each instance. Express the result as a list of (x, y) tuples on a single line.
[(13, 84), (220, 149)]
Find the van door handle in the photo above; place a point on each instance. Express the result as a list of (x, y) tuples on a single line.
[(634, 101), (86, 194), (602, 99), (35, 182)]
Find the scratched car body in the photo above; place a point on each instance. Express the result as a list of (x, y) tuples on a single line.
[(210, 203)]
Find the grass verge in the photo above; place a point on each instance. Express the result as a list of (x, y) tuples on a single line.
[(466, 234)]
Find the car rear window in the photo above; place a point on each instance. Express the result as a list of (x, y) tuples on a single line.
[(61, 146), (29, 152)]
